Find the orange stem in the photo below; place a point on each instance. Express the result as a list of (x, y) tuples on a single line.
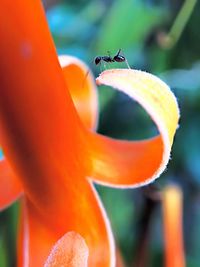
[(173, 235)]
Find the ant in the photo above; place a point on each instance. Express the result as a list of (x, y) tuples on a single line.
[(109, 59)]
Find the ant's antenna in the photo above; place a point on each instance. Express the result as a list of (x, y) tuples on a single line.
[(119, 51)]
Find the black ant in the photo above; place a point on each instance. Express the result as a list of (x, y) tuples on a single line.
[(109, 59)]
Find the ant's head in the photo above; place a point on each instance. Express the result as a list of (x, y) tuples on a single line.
[(118, 57), (97, 60)]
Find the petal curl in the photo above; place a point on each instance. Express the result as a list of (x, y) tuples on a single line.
[(82, 89), (10, 186), (69, 251), (123, 163)]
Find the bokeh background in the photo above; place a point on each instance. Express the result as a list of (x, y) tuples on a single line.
[(162, 37)]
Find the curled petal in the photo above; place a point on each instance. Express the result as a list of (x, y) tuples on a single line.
[(10, 186), (82, 89), (69, 251), (122, 163)]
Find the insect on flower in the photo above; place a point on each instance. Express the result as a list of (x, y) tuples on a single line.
[(108, 59)]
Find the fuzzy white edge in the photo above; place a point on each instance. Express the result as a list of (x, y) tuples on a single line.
[(107, 224)]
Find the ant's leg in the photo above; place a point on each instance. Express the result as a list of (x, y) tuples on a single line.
[(102, 66), (126, 61), (127, 64), (109, 54)]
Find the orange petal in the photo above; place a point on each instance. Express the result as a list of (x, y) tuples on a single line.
[(10, 186), (82, 89), (172, 223), (123, 163), (38, 235), (36, 240), (69, 251)]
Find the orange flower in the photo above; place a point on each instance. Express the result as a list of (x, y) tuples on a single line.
[(51, 153)]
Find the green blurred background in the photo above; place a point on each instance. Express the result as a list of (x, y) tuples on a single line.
[(162, 37)]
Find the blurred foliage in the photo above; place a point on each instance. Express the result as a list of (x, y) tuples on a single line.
[(85, 29), (8, 229)]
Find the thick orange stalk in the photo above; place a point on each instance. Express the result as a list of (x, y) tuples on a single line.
[(42, 136)]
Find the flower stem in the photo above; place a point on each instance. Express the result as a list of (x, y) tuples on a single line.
[(170, 39)]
